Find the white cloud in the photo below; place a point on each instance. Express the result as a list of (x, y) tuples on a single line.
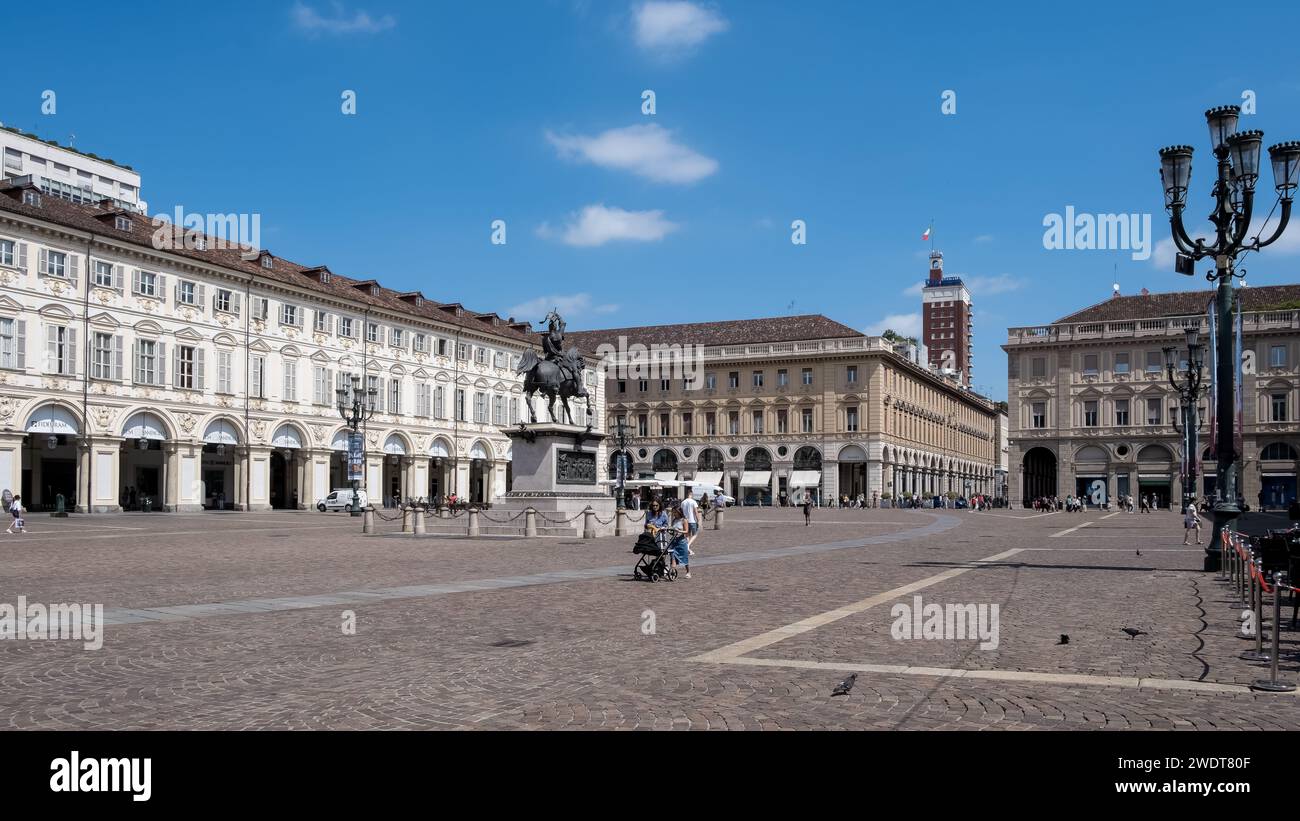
[(914, 289), (598, 224), (978, 285), (983, 239), (646, 150), (311, 21), (675, 25), (569, 305), (904, 324)]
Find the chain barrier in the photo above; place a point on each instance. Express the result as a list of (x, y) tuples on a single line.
[(378, 512), (507, 520), (632, 518), (606, 522), (572, 518)]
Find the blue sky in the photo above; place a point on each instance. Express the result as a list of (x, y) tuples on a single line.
[(766, 113)]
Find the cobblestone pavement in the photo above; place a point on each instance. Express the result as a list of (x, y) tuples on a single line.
[(551, 633)]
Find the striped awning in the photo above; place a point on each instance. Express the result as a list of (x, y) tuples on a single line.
[(665, 476), (709, 477), (805, 478)]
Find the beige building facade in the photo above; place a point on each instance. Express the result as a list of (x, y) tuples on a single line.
[(1091, 408), (782, 406)]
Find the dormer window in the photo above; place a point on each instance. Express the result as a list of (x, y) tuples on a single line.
[(324, 276), (419, 302), (374, 290), (122, 223), (267, 261), (32, 198), (201, 243)]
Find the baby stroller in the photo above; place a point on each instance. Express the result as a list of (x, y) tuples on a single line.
[(654, 550)]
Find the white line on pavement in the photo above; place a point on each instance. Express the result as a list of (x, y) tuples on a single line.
[(740, 648), (1061, 533)]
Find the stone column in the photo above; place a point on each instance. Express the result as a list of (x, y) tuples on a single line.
[(259, 473), (171, 474), (307, 489), (84, 450), (240, 471), (11, 461), (105, 469)]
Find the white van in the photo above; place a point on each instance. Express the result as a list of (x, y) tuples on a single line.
[(340, 499)]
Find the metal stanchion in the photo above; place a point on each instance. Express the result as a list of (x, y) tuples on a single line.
[(1257, 604), (473, 522), (588, 523), (368, 521), (1242, 569), (1223, 563), (408, 526), (530, 522), (419, 522), (1271, 684)]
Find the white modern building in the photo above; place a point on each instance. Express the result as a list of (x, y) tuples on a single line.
[(67, 173), (196, 378)]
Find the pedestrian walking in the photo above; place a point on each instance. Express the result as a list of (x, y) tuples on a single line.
[(807, 509), (1191, 521), (690, 513), (16, 514)]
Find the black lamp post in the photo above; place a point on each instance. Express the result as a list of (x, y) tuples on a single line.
[(355, 406), (1237, 157), (621, 434), (1188, 386)]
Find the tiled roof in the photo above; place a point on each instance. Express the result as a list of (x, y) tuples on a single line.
[(1183, 303), (91, 218), (728, 332)]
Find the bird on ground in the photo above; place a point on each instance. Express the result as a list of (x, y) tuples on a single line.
[(1064, 640), (842, 689), (1139, 551), (1133, 632)]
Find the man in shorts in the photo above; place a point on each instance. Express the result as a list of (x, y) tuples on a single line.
[(691, 513)]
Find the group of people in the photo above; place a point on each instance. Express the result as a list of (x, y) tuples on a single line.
[(683, 517)]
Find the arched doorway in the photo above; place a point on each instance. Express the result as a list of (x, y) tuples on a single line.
[(1155, 474), (1039, 475), (806, 477), (853, 472), (479, 466), (143, 480), (665, 465), (756, 479), (286, 468), (1277, 480), (441, 469), (338, 464), (221, 489), (49, 467), (1091, 464)]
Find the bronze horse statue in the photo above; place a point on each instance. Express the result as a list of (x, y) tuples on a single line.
[(552, 378)]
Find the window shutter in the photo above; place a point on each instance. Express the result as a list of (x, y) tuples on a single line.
[(329, 324), (176, 367), (161, 376), (42, 263), (71, 348), (135, 280), (135, 362), (176, 292), (117, 358), (234, 303), (22, 344), (73, 267), (51, 342), (117, 277), (198, 368), (200, 298), (161, 288), (22, 257)]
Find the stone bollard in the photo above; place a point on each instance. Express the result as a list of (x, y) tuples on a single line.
[(442, 512), (589, 523), (473, 522), (419, 522), (620, 523), (407, 525), (530, 522), (718, 516), (368, 521)]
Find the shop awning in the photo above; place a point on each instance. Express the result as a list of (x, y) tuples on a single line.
[(710, 477), (665, 475), (805, 478), (756, 478)]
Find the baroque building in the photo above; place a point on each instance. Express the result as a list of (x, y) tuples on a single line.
[(1091, 407), (198, 375), (787, 404)]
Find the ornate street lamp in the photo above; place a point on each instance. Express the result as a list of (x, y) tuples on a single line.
[(1237, 156), (1189, 388), (355, 406), (622, 435)]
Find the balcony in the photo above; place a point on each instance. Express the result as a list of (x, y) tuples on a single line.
[(1164, 327)]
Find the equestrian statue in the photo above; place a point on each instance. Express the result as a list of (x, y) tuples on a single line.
[(559, 374)]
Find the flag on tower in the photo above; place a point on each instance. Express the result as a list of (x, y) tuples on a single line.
[(926, 236)]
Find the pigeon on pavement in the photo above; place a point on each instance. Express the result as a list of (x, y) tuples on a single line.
[(1133, 632), (844, 686), (1064, 640)]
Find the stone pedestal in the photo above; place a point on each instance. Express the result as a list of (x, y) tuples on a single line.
[(555, 470)]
